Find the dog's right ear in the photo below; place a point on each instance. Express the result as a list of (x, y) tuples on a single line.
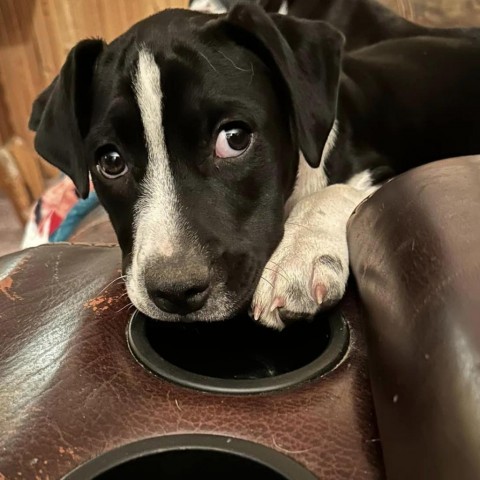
[(307, 56), (61, 114)]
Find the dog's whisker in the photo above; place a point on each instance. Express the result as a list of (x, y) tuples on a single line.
[(299, 225), (277, 272), (279, 267), (121, 277), (208, 61), (232, 62), (128, 305), (251, 75), (270, 283)]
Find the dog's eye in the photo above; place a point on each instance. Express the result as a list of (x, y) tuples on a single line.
[(111, 165), (232, 141)]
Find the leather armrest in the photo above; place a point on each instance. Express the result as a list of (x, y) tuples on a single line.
[(415, 253), (95, 228)]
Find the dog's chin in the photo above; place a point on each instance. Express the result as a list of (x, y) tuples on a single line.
[(203, 315), (219, 307), (213, 313)]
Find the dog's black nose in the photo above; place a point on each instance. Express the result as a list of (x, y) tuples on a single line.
[(177, 288), (180, 299)]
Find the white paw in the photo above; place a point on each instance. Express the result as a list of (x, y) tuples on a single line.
[(307, 273), (296, 286)]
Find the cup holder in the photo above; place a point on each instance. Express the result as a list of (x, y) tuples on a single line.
[(238, 356), (190, 457)]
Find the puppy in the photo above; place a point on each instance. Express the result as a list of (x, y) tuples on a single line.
[(191, 125)]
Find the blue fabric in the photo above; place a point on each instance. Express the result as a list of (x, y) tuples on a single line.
[(78, 212)]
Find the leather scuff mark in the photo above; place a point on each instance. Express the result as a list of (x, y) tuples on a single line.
[(68, 451), (105, 300), (6, 282), (6, 288), (101, 303)]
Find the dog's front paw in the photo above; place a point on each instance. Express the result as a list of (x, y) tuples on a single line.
[(309, 269), (307, 272)]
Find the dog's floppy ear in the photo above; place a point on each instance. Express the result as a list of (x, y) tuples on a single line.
[(307, 54), (39, 106), (61, 114)]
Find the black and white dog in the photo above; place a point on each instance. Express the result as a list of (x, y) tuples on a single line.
[(191, 125)]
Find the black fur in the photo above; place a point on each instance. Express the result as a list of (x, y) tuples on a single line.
[(366, 22)]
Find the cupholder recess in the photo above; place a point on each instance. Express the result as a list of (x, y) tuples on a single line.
[(238, 356), (191, 457)]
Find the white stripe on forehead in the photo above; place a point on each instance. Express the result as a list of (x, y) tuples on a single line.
[(157, 221)]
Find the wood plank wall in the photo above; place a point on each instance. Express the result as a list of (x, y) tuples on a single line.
[(35, 37)]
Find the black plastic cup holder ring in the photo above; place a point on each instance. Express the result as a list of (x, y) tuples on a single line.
[(238, 356), (191, 457)]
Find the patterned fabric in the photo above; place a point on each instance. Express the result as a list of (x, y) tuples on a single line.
[(57, 213)]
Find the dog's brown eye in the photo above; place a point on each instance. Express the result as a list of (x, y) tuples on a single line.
[(111, 165), (232, 141)]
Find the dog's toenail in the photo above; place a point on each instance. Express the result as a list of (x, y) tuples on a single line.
[(257, 312), (277, 303), (320, 292)]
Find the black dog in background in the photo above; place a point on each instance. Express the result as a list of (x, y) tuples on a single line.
[(363, 22)]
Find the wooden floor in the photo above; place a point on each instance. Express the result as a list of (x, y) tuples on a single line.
[(11, 231)]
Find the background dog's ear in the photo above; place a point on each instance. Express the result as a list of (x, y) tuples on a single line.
[(307, 54), (61, 114)]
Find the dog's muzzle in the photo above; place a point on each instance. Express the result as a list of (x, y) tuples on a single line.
[(178, 284)]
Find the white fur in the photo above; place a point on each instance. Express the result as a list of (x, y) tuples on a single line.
[(330, 143), (157, 224), (363, 181), (284, 8), (213, 6), (312, 180), (157, 221), (207, 6), (309, 180)]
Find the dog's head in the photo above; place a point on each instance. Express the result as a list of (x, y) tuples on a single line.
[(190, 126)]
